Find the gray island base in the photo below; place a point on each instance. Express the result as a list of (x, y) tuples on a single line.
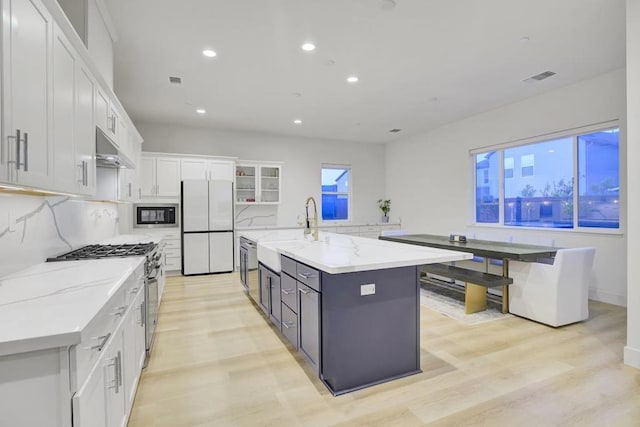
[(369, 339), (349, 305)]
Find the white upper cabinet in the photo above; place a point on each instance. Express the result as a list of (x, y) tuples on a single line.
[(210, 169), (194, 169), (160, 176), (258, 183), (85, 136), (27, 33), (64, 102), (167, 177), (102, 110), (99, 41)]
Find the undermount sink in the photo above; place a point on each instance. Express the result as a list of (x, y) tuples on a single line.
[(269, 252)]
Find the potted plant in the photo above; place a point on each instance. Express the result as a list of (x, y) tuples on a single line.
[(385, 207)]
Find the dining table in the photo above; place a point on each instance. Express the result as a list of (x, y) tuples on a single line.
[(488, 249)]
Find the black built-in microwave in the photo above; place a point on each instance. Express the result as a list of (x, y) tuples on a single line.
[(150, 215)]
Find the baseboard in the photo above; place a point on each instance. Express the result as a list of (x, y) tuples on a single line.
[(608, 297), (632, 357)]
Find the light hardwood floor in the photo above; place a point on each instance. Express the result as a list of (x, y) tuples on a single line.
[(217, 362)]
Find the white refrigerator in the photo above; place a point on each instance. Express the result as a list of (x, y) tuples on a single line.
[(207, 226)]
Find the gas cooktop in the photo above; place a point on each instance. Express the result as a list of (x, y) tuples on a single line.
[(105, 251)]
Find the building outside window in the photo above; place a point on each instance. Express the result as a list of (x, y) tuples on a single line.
[(336, 192), (546, 193)]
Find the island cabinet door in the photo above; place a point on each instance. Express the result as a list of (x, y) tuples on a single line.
[(274, 285), (309, 324)]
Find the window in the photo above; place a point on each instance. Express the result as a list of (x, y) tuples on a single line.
[(526, 163), (487, 196), (336, 192), (546, 193), (599, 186), (508, 167), (543, 200)]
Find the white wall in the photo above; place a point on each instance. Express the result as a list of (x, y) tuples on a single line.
[(429, 177), (48, 226), (302, 159), (632, 350)]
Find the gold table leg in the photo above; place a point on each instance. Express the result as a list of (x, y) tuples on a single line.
[(505, 288), (475, 298)]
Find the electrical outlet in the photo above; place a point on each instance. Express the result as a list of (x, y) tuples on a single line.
[(369, 289)]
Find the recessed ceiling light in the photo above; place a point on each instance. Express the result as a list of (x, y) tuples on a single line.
[(525, 39), (209, 53), (352, 79), (201, 111), (308, 47), (297, 121), (387, 4), (396, 130)]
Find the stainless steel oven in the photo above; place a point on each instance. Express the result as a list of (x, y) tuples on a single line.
[(152, 215)]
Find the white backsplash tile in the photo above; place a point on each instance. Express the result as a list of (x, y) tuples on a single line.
[(48, 226)]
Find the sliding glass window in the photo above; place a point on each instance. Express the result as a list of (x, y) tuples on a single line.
[(538, 183)]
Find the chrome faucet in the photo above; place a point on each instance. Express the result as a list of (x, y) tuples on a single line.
[(307, 229)]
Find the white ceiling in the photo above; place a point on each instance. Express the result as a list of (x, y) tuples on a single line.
[(422, 64)]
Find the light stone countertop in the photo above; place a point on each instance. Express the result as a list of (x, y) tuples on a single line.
[(339, 253), (49, 305)]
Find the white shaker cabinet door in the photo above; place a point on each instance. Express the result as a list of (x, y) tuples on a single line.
[(89, 403), (27, 104), (221, 169), (85, 130), (65, 171), (148, 176), (167, 177), (193, 169)]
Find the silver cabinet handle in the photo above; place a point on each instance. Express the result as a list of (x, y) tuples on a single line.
[(102, 340), (139, 193), (129, 189), (26, 152), (116, 385), (306, 275), (287, 291), (86, 173), (18, 140), (288, 325), (120, 369), (143, 314), (304, 291)]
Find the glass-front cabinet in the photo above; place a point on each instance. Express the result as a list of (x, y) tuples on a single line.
[(258, 183)]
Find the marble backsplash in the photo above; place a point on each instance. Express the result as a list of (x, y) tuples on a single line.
[(256, 215), (48, 226)]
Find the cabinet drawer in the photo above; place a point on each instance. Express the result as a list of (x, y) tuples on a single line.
[(173, 263), (97, 336), (171, 244), (369, 229), (390, 227), (290, 325), (134, 283), (172, 252), (288, 289), (288, 265), (347, 230), (309, 276)]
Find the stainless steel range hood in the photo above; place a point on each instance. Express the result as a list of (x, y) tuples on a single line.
[(107, 153)]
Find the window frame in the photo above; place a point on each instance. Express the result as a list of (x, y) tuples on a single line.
[(573, 133), (348, 193)]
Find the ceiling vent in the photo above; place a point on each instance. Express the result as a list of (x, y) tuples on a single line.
[(540, 76), (396, 130), (175, 80)]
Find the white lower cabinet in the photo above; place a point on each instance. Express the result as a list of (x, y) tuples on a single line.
[(134, 349), (89, 408)]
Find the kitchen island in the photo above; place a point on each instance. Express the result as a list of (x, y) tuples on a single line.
[(349, 304)]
